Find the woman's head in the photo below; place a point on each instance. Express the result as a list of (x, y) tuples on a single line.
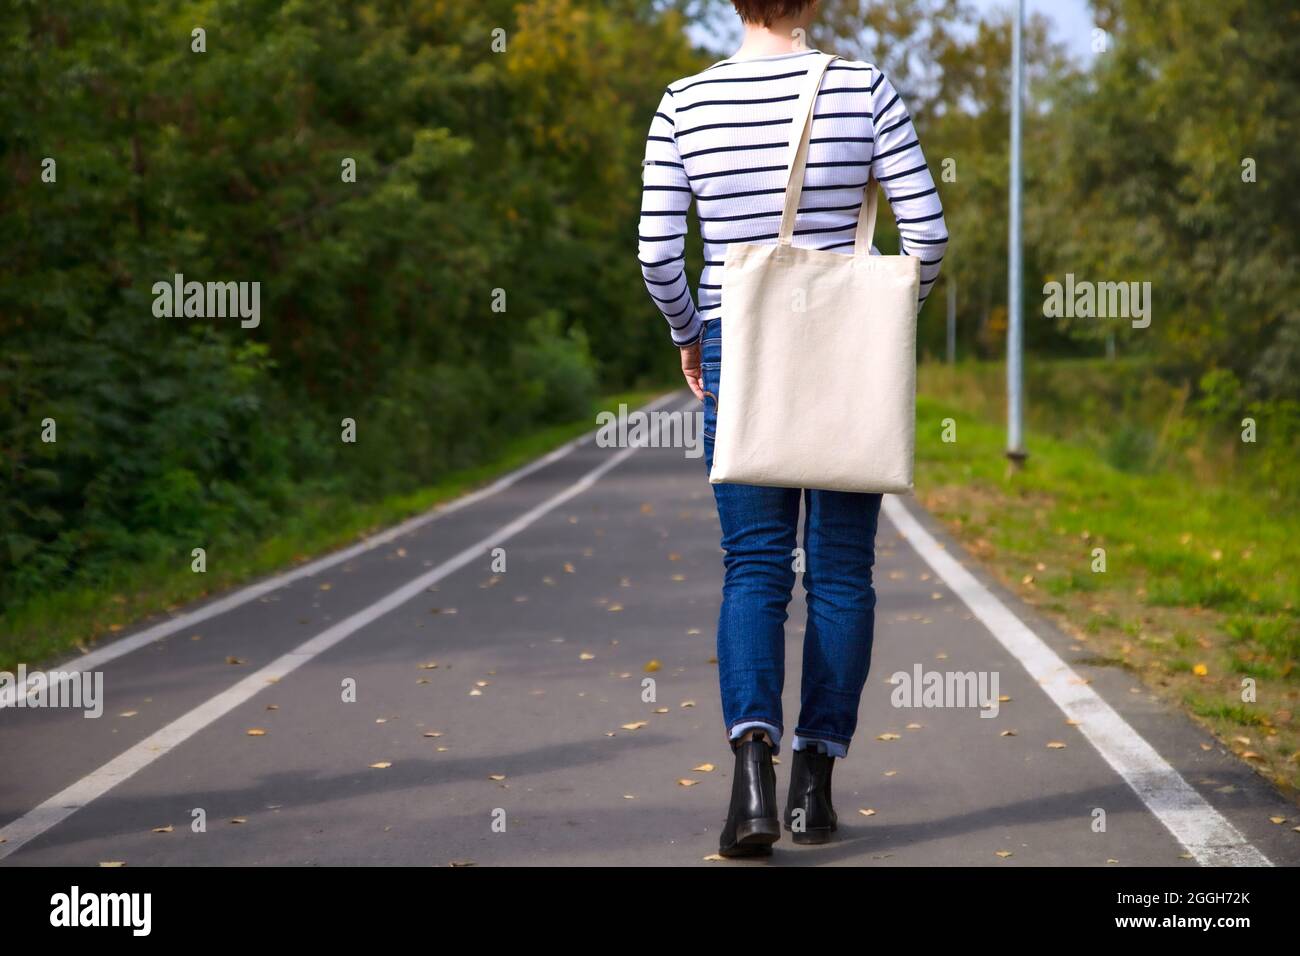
[(767, 13)]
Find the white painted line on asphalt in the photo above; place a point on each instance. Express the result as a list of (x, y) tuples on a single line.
[(95, 784), (1201, 829), (110, 652)]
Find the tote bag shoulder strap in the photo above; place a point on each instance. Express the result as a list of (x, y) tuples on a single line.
[(800, 131)]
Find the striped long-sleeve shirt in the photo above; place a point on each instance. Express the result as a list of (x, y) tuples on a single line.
[(722, 137)]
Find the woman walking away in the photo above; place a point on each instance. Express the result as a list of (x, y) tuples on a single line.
[(723, 137)]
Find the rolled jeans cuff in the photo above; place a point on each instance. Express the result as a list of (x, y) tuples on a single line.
[(773, 732), (833, 747)]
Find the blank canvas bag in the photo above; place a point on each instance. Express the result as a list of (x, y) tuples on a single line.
[(818, 381)]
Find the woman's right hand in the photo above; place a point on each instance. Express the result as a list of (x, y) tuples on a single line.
[(691, 369)]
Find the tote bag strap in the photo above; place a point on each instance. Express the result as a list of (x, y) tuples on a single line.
[(800, 131), (866, 231)]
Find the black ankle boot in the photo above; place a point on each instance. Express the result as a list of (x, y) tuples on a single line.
[(752, 825), (810, 792)]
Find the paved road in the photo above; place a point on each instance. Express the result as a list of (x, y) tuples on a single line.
[(612, 561)]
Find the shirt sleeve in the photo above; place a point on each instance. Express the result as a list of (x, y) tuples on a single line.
[(665, 199), (899, 166)]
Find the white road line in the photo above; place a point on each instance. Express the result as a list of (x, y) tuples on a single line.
[(110, 652), (95, 784), (1201, 829)]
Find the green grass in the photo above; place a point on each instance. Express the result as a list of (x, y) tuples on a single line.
[(54, 623), (1200, 583)]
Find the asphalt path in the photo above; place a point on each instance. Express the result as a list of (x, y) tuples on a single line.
[(563, 711)]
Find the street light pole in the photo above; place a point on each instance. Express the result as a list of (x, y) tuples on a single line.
[(1015, 285), (952, 317)]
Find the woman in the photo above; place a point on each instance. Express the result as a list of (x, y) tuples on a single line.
[(721, 137)]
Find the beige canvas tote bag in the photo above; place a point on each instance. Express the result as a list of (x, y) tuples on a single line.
[(818, 381)]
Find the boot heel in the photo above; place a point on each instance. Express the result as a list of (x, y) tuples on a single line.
[(812, 837), (763, 832)]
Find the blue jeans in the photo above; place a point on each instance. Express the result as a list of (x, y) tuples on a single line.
[(759, 537)]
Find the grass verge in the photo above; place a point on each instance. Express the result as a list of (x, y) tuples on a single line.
[(1187, 583)]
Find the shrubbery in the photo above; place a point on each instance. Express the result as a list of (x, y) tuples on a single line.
[(473, 187)]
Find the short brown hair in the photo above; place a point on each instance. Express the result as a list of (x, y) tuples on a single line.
[(768, 11)]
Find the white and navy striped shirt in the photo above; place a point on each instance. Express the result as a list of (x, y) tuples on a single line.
[(722, 136)]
